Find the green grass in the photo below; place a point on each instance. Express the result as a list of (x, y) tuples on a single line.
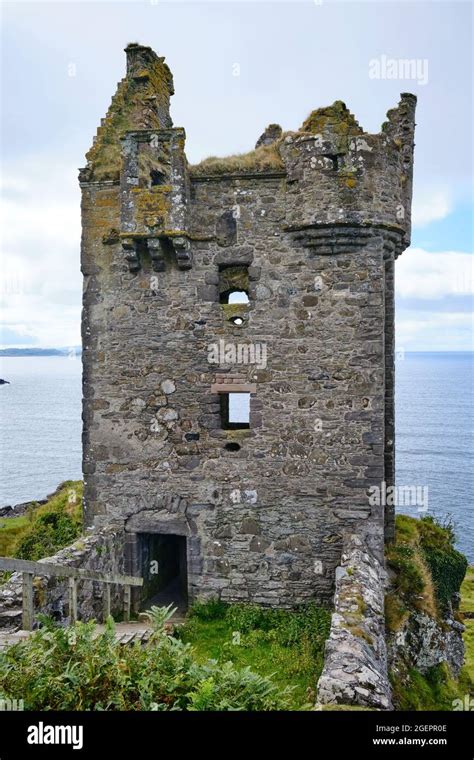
[(434, 690), (426, 572), (467, 605), (10, 529), (46, 528), (467, 591), (287, 645), (426, 568)]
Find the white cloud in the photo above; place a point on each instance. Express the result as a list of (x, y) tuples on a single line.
[(434, 331), (435, 288), (41, 279), (430, 205), (426, 275)]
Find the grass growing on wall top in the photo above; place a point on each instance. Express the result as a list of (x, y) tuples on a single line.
[(265, 158)]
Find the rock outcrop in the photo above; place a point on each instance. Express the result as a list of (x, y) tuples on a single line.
[(423, 643)]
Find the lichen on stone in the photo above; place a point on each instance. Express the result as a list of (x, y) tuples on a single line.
[(336, 118)]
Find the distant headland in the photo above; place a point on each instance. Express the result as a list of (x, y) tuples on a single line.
[(71, 351)]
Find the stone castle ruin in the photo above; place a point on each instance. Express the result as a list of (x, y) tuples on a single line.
[(238, 350), (238, 346)]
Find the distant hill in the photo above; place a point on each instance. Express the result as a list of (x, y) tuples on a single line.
[(41, 351)]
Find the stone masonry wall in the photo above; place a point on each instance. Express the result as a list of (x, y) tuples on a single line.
[(265, 521)]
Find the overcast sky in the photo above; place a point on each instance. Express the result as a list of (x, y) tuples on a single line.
[(237, 67)]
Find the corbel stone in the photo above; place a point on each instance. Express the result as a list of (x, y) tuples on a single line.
[(155, 248), (129, 246), (182, 248)]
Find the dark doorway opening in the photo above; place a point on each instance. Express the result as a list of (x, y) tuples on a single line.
[(164, 567)]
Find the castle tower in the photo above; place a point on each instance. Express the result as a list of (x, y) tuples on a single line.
[(238, 343)]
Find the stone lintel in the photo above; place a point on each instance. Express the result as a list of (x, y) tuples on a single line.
[(234, 388)]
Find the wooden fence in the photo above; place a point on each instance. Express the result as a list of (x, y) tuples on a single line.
[(32, 569)]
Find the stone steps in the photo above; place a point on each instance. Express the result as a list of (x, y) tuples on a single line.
[(10, 619)]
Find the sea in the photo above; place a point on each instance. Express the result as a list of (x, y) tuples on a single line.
[(40, 433)]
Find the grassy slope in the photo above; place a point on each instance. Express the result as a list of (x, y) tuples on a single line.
[(467, 605), (66, 500), (411, 558), (10, 529)]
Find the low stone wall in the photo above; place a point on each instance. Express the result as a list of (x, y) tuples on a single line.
[(101, 551), (355, 669)]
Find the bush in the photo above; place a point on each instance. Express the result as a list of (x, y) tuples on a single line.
[(213, 609), (447, 565), (52, 531), (72, 669), (306, 626)]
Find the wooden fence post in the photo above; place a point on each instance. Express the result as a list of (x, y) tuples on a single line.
[(72, 600), (28, 612), (106, 601), (126, 602)]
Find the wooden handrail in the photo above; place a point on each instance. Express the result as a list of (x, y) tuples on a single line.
[(32, 569), (64, 571)]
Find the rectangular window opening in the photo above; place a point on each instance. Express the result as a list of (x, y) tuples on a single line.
[(235, 410)]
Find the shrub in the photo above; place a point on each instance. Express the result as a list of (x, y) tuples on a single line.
[(72, 669), (213, 609), (52, 531), (447, 565)]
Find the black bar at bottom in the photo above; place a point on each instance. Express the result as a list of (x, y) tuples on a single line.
[(375, 734)]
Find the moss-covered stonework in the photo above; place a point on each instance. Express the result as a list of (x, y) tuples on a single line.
[(315, 218), (140, 102)]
